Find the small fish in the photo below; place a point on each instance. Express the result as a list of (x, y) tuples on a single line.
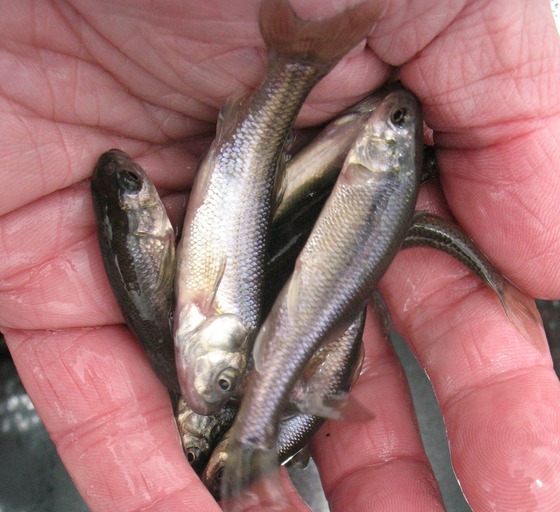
[(312, 171), (138, 248), (200, 434), (330, 374), (221, 255), (355, 238), (428, 230)]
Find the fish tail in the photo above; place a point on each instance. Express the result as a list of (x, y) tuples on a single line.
[(324, 40), (252, 479), (522, 312)]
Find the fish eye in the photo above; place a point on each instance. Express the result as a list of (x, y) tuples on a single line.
[(399, 116), (227, 379), (129, 180), (219, 474), (193, 454)]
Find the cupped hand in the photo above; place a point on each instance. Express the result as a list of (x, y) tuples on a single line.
[(78, 78)]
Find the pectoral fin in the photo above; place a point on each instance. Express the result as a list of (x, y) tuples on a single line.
[(339, 406)]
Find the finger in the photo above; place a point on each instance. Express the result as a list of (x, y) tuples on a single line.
[(109, 417), (489, 86), (379, 464), (409, 26), (73, 107), (52, 273), (496, 388)]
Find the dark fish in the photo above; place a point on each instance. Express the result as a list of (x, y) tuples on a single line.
[(200, 434), (428, 230), (138, 248)]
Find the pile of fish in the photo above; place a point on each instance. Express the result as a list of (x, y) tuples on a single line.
[(254, 321)]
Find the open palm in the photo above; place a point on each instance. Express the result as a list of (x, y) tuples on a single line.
[(79, 77)]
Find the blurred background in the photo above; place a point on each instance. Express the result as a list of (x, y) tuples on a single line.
[(33, 479)]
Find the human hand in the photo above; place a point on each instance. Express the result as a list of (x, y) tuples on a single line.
[(150, 78)]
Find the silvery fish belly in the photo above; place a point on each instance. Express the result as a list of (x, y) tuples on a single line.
[(221, 254), (356, 236), (138, 247)]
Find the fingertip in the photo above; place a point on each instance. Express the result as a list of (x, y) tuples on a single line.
[(504, 442)]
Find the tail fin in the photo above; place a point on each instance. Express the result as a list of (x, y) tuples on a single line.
[(522, 312), (252, 480), (325, 40)]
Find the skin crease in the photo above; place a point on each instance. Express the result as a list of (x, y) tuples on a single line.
[(81, 77)]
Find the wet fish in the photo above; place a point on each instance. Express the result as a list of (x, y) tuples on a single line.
[(358, 233), (306, 192), (137, 244), (428, 230), (200, 434), (312, 171), (223, 248), (330, 374)]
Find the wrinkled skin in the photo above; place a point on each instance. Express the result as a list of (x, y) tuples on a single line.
[(81, 77)]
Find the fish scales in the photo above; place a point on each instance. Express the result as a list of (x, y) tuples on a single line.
[(137, 244), (221, 255), (354, 240), (330, 374)]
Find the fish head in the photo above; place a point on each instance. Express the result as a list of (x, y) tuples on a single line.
[(123, 182), (212, 475), (197, 433), (196, 450), (391, 138), (211, 361)]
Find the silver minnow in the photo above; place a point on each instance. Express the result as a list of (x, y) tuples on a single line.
[(356, 236), (222, 252)]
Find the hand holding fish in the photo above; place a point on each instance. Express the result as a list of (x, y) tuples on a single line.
[(150, 78)]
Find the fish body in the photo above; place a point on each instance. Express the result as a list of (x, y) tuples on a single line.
[(222, 251), (137, 244), (330, 374), (312, 171), (355, 238), (427, 230)]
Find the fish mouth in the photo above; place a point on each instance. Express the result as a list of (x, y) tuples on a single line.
[(198, 403), (200, 406), (111, 160)]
